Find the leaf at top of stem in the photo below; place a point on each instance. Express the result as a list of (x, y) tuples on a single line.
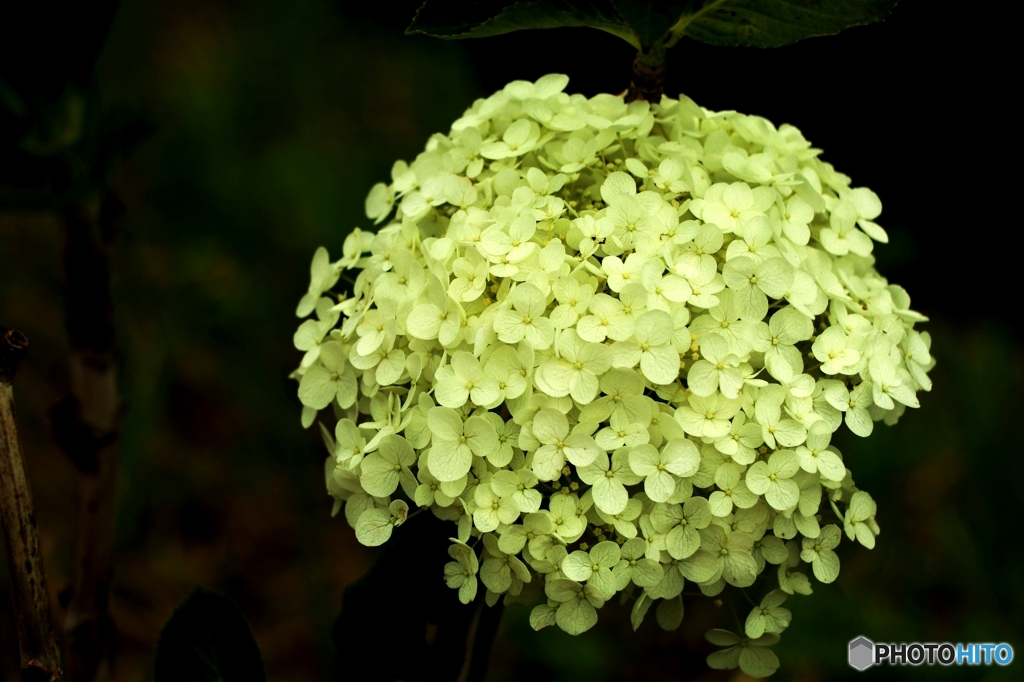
[(648, 24), (484, 18), (773, 23)]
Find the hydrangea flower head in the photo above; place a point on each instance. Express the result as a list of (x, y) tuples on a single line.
[(611, 342)]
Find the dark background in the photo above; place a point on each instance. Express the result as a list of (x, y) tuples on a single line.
[(273, 121)]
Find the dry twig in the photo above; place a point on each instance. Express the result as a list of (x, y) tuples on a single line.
[(37, 638)]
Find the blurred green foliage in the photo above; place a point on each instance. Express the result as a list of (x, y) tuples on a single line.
[(274, 119)]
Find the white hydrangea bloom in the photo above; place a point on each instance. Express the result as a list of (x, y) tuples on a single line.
[(611, 342)]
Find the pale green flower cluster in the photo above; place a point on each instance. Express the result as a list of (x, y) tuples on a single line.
[(611, 343)]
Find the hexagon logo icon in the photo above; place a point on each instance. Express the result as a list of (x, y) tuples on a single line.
[(862, 653)]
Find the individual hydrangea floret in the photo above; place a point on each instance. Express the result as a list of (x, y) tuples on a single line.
[(611, 343)]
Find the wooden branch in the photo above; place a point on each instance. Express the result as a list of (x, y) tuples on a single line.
[(88, 427), (37, 637)]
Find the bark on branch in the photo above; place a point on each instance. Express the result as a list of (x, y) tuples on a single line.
[(37, 638)]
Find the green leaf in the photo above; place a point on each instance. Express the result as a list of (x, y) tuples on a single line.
[(654, 23), (480, 19), (207, 640), (651, 20), (670, 613), (374, 527), (640, 608), (773, 23)]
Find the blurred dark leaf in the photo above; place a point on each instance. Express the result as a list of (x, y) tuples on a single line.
[(390, 608), (122, 129), (32, 181), (48, 52), (57, 143), (207, 640), (645, 23)]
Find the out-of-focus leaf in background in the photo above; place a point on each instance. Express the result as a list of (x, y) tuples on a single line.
[(274, 120), (207, 640), (58, 141)]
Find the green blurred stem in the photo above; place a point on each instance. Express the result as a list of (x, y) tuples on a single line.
[(37, 634), (736, 616)]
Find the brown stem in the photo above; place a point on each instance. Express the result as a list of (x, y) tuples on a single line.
[(37, 635), (648, 81), (88, 425)]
